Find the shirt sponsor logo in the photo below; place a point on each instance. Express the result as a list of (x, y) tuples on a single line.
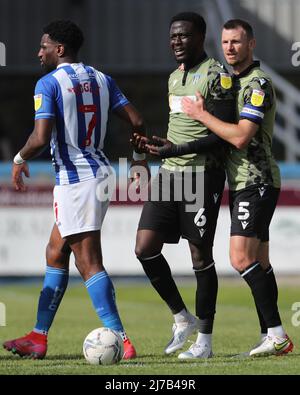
[(226, 81), (38, 100), (257, 97), (175, 103)]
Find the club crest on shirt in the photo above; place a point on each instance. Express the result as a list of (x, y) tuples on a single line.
[(257, 97), (38, 99), (226, 81), (196, 78)]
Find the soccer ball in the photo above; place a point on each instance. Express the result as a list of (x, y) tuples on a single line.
[(103, 346)]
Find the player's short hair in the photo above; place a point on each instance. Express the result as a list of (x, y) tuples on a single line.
[(234, 23), (197, 20), (65, 32)]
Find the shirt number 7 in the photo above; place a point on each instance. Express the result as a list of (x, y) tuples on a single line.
[(92, 124)]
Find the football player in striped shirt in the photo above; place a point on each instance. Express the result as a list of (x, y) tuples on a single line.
[(72, 103)]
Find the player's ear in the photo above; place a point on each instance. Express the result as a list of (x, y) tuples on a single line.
[(61, 50), (252, 43)]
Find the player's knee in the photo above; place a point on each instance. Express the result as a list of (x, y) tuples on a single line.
[(198, 264), (88, 267), (240, 261), (138, 250), (142, 251), (53, 254), (201, 259)]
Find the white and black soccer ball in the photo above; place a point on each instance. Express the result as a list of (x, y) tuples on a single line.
[(103, 346)]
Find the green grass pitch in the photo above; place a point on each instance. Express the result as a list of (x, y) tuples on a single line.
[(148, 324)]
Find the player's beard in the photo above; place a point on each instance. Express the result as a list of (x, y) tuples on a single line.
[(237, 62), (47, 68)]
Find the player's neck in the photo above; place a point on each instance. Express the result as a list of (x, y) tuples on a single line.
[(67, 59), (193, 62), (239, 68)]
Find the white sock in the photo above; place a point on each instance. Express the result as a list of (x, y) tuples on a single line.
[(262, 336), (123, 335), (40, 331), (276, 331), (183, 316), (204, 338)]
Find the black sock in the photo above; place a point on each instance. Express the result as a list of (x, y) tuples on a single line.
[(272, 281), (206, 297), (273, 285), (159, 273), (258, 281)]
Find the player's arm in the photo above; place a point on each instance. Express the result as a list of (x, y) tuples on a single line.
[(129, 114), (36, 143), (139, 170), (258, 97), (238, 134), (40, 137), (164, 148), (120, 105)]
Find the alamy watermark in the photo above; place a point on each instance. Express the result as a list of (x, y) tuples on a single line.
[(296, 316), (296, 56), (168, 186), (2, 54), (2, 314)]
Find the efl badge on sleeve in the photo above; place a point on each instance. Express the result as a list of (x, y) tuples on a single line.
[(257, 97), (38, 101), (226, 81)]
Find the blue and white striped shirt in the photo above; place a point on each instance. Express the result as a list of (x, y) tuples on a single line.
[(79, 98)]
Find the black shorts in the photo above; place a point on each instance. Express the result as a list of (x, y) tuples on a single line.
[(176, 216), (251, 211)]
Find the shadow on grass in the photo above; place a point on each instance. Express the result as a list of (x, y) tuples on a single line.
[(154, 359), (63, 357)]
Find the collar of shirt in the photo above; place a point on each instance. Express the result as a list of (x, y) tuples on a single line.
[(255, 64), (63, 64)]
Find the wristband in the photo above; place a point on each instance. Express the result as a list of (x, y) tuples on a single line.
[(136, 156), (18, 160)]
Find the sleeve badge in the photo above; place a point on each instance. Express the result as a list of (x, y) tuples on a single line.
[(38, 99), (257, 97), (226, 81)]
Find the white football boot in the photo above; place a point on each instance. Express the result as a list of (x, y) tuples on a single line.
[(181, 332), (197, 351), (273, 346), (259, 343)]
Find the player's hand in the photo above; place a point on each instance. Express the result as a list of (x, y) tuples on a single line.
[(159, 146), (194, 109), (139, 142), (17, 177)]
